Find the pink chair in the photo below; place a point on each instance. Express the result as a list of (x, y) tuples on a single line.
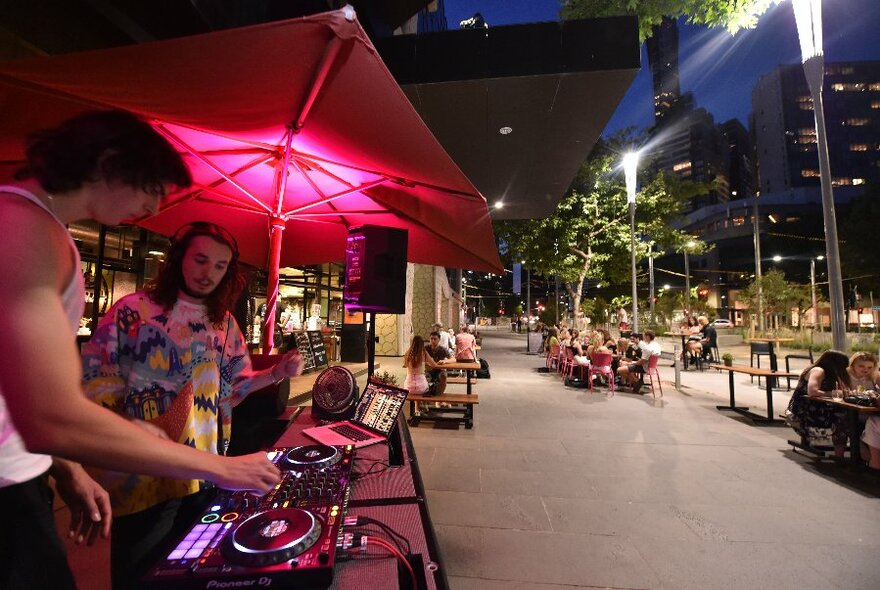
[(571, 365), (553, 357), (652, 372), (600, 364)]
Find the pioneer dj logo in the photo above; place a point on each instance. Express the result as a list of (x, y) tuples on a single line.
[(262, 581), (313, 453)]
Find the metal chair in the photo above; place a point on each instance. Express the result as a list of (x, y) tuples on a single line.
[(651, 371), (757, 350), (788, 357)]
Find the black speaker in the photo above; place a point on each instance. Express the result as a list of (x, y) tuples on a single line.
[(334, 395), (375, 269)]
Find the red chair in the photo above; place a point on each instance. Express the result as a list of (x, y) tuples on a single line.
[(652, 372), (566, 362), (571, 365), (600, 364), (553, 357)]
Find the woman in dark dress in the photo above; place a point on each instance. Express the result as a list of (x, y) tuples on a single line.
[(811, 418)]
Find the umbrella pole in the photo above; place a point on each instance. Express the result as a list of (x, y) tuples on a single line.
[(272, 288)]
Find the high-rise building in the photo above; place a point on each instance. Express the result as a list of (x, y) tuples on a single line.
[(689, 144), (742, 163), (785, 130), (663, 59)]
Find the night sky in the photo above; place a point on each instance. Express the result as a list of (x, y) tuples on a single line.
[(718, 68)]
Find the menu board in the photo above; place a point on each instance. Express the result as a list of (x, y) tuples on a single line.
[(305, 349), (319, 353)]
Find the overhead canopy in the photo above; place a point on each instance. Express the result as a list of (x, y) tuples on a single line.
[(234, 100)]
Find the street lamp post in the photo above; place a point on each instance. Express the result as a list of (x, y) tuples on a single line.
[(808, 14), (687, 274), (756, 236), (816, 321), (630, 166)]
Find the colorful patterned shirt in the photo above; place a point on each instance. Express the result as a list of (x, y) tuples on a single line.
[(174, 369)]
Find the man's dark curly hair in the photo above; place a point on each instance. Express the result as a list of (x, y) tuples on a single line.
[(165, 288), (114, 146)]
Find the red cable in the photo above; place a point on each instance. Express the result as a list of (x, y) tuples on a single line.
[(400, 557)]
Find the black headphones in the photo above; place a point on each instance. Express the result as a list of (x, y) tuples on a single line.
[(184, 235)]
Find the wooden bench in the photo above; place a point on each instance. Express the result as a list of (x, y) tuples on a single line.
[(460, 380), (465, 414)]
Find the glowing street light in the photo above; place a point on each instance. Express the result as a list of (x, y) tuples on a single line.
[(777, 258), (630, 168), (808, 15)]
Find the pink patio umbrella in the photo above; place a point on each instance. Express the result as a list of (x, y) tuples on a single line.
[(292, 127)]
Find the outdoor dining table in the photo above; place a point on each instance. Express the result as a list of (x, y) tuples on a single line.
[(774, 366), (684, 336), (769, 377), (855, 425)]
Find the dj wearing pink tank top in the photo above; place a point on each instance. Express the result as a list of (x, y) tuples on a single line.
[(107, 167)]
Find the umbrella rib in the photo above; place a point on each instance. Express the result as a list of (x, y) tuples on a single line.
[(327, 199), (212, 186), (398, 179), (327, 61), (171, 136)]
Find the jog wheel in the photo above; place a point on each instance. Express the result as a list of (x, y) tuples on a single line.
[(314, 456), (272, 537)]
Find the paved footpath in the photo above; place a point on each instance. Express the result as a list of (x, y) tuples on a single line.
[(556, 488)]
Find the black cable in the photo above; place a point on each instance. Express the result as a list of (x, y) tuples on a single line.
[(354, 520)]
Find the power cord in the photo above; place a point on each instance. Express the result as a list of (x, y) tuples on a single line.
[(360, 542)]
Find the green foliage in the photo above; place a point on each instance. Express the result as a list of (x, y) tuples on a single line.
[(589, 235), (732, 14), (598, 310), (726, 357), (779, 295), (386, 378), (548, 315)]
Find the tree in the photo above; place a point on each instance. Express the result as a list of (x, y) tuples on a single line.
[(589, 233), (732, 14), (780, 296)]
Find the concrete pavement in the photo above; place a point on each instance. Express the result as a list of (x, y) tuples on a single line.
[(556, 488)]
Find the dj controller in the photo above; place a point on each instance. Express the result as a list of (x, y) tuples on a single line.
[(286, 538)]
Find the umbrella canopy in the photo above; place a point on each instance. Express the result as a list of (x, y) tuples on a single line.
[(294, 126)]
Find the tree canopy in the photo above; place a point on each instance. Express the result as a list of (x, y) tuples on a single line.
[(732, 14), (588, 236)]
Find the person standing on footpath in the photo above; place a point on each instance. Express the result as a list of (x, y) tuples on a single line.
[(105, 166)]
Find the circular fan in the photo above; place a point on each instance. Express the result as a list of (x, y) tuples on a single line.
[(334, 394)]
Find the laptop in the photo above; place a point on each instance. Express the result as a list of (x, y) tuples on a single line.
[(374, 417)]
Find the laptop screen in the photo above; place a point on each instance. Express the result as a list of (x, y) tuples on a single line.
[(379, 406)]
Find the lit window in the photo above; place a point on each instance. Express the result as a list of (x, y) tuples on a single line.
[(681, 166), (850, 87), (737, 221), (804, 98), (792, 219), (807, 131), (857, 122), (841, 181), (858, 147), (874, 86), (807, 139), (806, 106), (858, 181), (810, 173)]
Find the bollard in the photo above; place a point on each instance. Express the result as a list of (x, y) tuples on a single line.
[(676, 355)]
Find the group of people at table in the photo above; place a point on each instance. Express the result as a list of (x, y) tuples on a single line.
[(424, 362), (630, 357), (834, 375)]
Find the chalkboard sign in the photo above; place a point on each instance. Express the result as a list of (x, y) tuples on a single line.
[(316, 339), (305, 349)]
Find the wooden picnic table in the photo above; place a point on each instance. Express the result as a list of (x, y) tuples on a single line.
[(439, 415), (855, 426), (755, 372)]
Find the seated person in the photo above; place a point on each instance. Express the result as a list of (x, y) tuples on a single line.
[(710, 336), (440, 354), (863, 377), (465, 346), (814, 419), (551, 340), (632, 372), (694, 345)]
